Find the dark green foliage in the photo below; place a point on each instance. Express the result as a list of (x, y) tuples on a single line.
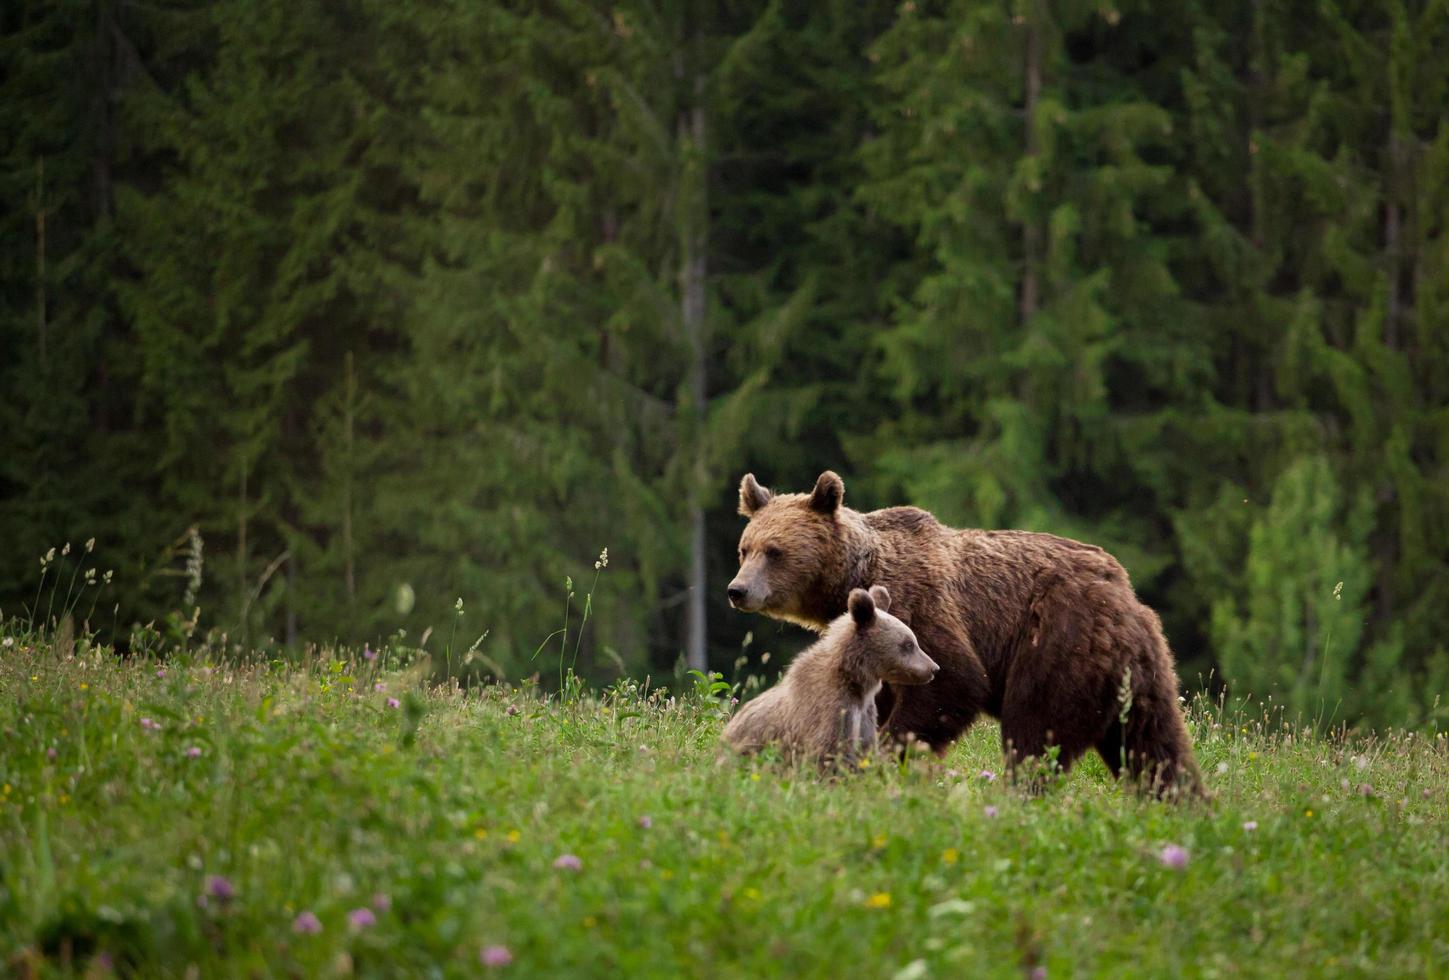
[(398, 305)]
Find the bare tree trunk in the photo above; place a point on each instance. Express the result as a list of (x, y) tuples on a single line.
[(692, 281), (348, 571), (40, 256), (1030, 233), (243, 585)]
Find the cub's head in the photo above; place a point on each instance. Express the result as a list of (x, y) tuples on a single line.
[(790, 549), (883, 648)]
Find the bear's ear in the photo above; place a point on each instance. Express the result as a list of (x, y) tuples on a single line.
[(752, 496), (882, 597), (862, 607), (828, 493)]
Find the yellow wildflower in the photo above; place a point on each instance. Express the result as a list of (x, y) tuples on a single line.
[(880, 900)]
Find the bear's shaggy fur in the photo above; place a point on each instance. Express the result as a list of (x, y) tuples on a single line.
[(1040, 631), (824, 706)]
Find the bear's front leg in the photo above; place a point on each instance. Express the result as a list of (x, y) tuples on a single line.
[(939, 712)]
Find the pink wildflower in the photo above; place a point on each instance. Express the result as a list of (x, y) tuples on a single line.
[(360, 919), (393, 702), (219, 888), (988, 775), (495, 956), (148, 725), (990, 811), (307, 924), (368, 653), (194, 752), (568, 862), (381, 902), (1173, 856), (645, 822)]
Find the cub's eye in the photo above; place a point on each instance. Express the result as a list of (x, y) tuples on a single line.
[(907, 646), (772, 552)]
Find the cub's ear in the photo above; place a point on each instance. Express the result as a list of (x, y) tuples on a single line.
[(828, 493), (862, 607), (882, 597), (752, 496)]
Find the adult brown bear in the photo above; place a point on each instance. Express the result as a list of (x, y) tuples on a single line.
[(1042, 632)]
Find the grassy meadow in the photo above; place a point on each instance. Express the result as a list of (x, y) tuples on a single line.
[(343, 816)]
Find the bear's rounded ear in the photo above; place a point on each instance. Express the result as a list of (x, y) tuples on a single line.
[(882, 597), (828, 493), (752, 496), (862, 607)]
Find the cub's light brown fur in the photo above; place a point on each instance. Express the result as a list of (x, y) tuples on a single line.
[(824, 705), (1039, 631)]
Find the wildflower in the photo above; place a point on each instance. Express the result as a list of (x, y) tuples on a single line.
[(1250, 825), (50, 753), (66, 549), (1173, 856), (950, 856), (90, 545), (149, 725), (568, 862), (513, 836), (880, 900), (988, 775), (381, 902), (361, 918), (603, 561), (864, 762), (990, 811), (368, 653), (1038, 973), (495, 956), (107, 577), (219, 888), (194, 752), (8, 642), (1364, 789), (878, 842), (645, 823), (160, 673), (393, 702), (512, 710), (458, 606), (306, 924), (379, 686)]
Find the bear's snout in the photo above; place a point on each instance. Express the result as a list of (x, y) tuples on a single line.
[(736, 594)]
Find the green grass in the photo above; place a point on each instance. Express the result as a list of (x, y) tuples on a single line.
[(311, 793)]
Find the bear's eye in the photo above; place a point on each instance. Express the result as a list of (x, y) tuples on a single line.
[(742, 554), (772, 552), (906, 646)]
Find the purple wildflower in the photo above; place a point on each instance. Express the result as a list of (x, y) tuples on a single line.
[(148, 725), (194, 752), (219, 888), (368, 653), (393, 702), (990, 811), (381, 902), (1250, 825), (645, 823), (1173, 856), (495, 956), (306, 924), (361, 918), (1038, 973), (160, 673), (568, 862), (988, 775), (379, 686)]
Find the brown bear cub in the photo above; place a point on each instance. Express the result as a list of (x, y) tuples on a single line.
[(824, 706), (1042, 632)]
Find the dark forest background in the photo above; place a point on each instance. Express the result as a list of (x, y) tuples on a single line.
[(401, 304)]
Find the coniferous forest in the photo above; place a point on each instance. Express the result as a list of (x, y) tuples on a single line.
[(323, 317)]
